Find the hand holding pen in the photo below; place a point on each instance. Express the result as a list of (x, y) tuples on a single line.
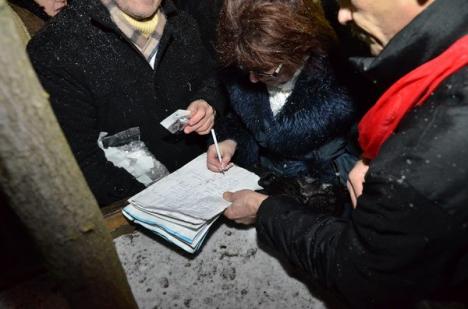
[(220, 160)]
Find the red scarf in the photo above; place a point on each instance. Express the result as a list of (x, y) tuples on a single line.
[(411, 90)]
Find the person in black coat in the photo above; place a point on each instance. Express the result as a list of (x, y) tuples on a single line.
[(407, 237), (106, 72), (291, 114), (206, 13)]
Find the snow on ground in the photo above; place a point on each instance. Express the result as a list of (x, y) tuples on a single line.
[(231, 271)]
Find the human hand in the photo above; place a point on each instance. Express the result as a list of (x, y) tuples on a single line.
[(244, 205), (356, 180), (227, 149), (202, 117)]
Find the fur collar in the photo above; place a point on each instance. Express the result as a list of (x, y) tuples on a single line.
[(317, 111)]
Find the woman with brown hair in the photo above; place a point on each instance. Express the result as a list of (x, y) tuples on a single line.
[(290, 114)]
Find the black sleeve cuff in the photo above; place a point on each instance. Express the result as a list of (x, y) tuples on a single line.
[(272, 207)]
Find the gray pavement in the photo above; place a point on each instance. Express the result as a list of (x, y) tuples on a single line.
[(231, 271)]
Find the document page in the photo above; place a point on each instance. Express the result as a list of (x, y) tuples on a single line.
[(193, 192)]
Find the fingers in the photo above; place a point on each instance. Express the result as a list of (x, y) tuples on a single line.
[(227, 166), (356, 179), (202, 118), (196, 116), (205, 128), (237, 196), (194, 123), (352, 194), (226, 159), (231, 213), (238, 215), (234, 212), (211, 155), (193, 109), (214, 167), (217, 167), (212, 161), (244, 205), (228, 196)]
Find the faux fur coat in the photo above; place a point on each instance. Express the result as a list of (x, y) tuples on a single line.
[(309, 136)]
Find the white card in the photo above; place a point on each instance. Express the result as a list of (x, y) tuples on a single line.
[(176, 121)]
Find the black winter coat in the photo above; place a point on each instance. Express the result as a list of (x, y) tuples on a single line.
[(308, 136), (99, 82), (206, 13), (408, 237)]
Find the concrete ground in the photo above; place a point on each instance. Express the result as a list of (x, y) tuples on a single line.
[(231, 271)]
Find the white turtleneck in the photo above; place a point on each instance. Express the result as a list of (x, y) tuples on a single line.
[(280, 94)]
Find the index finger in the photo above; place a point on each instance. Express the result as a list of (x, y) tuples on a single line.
[(196, 116)]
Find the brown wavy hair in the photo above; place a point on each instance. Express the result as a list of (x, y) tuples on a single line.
[(261, 34)]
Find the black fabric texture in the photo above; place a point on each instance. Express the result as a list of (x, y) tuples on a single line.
[(206, 13), (99, 82)]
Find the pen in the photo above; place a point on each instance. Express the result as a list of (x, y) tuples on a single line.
[(213, 134)]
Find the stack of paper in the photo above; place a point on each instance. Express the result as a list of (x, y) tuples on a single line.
[(182, 206)]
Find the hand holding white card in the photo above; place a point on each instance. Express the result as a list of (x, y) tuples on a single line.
[(176, 121)]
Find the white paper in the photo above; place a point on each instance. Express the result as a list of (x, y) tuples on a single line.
[(192, 223), (182, 206), (193, 191), (187, 235), (192, 248)]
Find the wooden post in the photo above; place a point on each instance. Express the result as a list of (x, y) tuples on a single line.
[(46, 189)]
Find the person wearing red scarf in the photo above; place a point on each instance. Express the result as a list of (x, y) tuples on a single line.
[(407, 239), (410, 91)]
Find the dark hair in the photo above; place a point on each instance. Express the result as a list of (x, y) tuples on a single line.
[(261, 34)]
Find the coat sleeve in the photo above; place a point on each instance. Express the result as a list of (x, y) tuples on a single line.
[(211, 90), (231, 127), (371, 260), (208, 85), (307, 239), (401, 243), (77, 115)]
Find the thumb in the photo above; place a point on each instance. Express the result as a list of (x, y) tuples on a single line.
[(228, 196), (191, 111)]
